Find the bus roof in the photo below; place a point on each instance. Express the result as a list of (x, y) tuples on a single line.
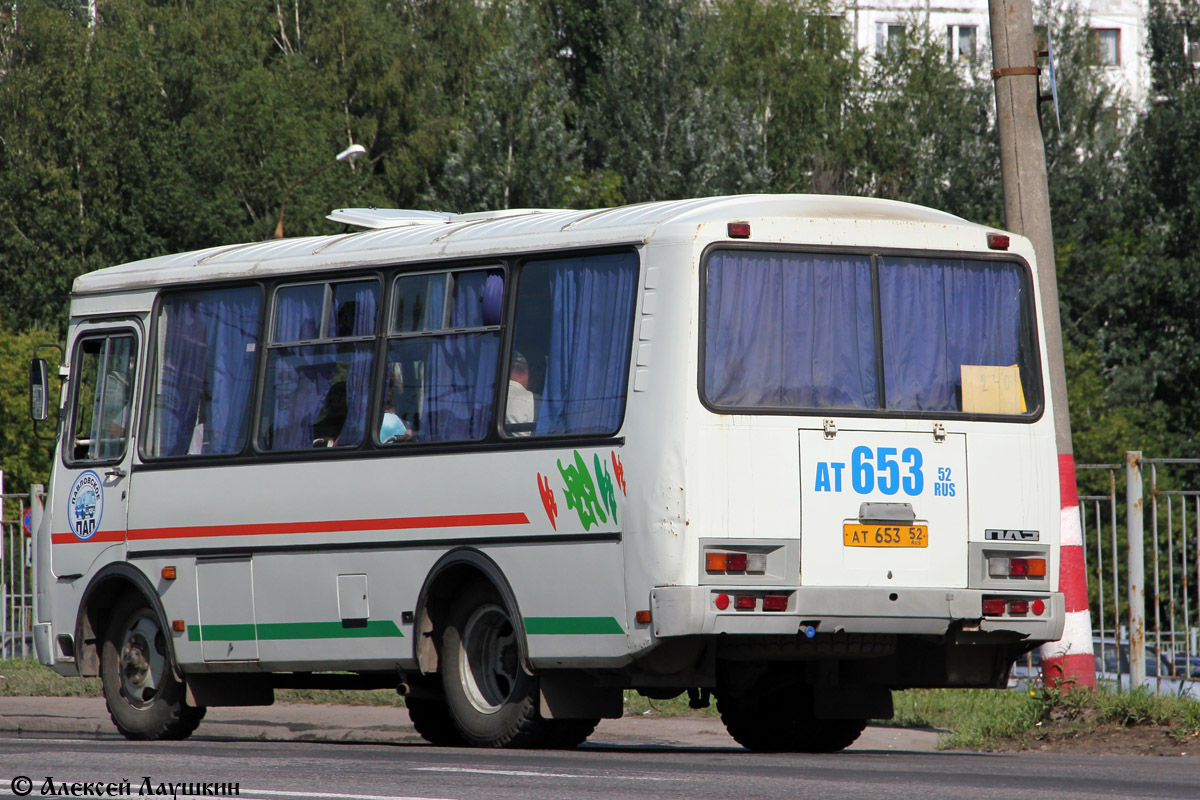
[(400, 236)]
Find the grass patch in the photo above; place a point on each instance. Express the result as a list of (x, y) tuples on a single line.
[(25, 678), (991, 719)]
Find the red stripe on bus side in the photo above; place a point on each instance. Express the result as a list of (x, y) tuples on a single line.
[(329, 526), (101, 536)]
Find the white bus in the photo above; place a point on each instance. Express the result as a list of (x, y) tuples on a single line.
[(793, 451)]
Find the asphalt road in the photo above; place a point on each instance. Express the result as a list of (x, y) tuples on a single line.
[(295, 770)]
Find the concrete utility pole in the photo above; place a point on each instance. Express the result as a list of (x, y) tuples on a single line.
[(1069, 661)]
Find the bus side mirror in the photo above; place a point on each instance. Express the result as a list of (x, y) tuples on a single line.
[(39, 386)]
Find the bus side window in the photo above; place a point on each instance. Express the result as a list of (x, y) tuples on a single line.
[(103, 372), (442, 356), (319, 364), (206, 353), (573, 331)]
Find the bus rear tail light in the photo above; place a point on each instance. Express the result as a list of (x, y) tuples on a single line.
[(739, 230), (745, 602), (775, 602), (1016, 567), (1018, 606), (719, 562), (994, 606), (997, 241)]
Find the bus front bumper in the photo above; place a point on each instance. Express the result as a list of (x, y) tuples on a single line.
[(691, 610)]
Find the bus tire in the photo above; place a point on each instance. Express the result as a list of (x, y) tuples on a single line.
[(492, 700), (431, 718), (566, 734), (144, 698), (783, 722)]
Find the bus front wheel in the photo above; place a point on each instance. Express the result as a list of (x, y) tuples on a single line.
[(492, 699), (144, 698)]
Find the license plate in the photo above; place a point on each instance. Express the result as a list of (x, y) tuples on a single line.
[(874, 535)]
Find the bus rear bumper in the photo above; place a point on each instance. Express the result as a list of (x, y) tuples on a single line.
[(692, 610)]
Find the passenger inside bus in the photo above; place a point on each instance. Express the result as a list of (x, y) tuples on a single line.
[(520, 409)]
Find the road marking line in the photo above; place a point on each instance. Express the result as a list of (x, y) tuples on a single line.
[(532, 774), (332, 795)]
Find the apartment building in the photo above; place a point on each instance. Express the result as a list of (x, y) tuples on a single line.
[(1118, 28)]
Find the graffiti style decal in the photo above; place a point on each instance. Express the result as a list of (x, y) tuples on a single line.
[(548, 502), (619, 472), (605, 484), (580, 492), (591, 492)]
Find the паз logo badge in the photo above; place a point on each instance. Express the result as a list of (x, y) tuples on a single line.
[(85, 505)]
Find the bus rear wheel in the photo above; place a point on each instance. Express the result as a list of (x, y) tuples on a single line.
[(492, 700), (144, 698), (782, 721)]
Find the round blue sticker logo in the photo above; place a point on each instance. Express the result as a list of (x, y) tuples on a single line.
[(85, 505)]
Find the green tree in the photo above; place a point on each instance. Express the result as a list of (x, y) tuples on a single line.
[(797, 72), (514, 148), (651, 105), (928, 128)]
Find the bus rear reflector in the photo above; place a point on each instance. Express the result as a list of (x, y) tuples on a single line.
[(994, 606), (745, 601), (997, 241), (775, 602), (178, 625), (1038, 607), (1018, 606), (168, 573), (722, 601), (642, 617)]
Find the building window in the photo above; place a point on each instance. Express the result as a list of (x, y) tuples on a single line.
[(889, 36), (1106, 47), (961, 42)]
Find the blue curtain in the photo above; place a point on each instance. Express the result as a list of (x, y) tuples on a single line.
[(358, 320), (183, 370), (233, 349), (460, 370), (300, 376), (209, 341), (970, 313), (789, 330), (591, 330)]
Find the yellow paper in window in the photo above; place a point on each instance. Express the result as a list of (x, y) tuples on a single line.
[(992, 390)]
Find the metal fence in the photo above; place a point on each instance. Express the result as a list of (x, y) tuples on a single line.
[(16, 579), (1142, 547)]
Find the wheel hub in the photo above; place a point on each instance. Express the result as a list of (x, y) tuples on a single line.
[(491, 659), (143, 662)]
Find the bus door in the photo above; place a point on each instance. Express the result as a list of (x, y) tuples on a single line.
[(92, 485)]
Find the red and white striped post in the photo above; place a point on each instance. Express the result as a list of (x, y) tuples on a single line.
[(1068, 663)]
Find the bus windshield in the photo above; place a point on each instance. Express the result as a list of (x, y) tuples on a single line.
[(792, 330)]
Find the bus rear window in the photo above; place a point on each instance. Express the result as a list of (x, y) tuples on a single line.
[(789, 330)]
